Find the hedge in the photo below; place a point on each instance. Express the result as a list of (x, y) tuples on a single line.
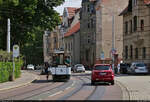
[(6, 67)]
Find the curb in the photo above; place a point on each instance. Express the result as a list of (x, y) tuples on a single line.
[(24, 84), (124, 89)]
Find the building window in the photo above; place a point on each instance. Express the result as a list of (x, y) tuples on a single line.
[(126, 27), (136, 53), (130, 26), (88, 8), (88, 40), (131, 51), (134, 2), (66, 46), (88, 25), (71, 45), (92, 23), (87, 55), (135, 23), (126, 52), (142, 25), (144, 52)]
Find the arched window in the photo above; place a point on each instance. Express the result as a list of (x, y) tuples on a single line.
[(126, 52), (144, 52), (135, 23), (131, 51), (136, 53)]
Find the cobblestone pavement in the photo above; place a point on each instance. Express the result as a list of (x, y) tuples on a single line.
[(134, 87)]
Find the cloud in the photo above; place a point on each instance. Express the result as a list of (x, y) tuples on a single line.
[(68, 3)]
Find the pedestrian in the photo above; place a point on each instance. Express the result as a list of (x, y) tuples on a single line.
[(46, 70), (118, 66)]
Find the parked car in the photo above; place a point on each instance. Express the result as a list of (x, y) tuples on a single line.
[(102, 73), (39, 67), (124, 67), (30, 67), (78, 68), (138, 67)]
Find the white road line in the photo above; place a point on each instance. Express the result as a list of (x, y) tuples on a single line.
[(67, 88), (56, 93), (73, 83)]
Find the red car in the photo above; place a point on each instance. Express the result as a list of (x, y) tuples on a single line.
[(102, 73)]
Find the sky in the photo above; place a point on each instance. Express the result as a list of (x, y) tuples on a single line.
[(68, 3)]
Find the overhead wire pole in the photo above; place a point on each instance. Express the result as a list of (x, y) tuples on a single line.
[(8, 35), (113, 34), (113, 39)]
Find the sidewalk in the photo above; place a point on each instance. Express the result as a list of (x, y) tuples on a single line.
[(135, 87), (25, 79)]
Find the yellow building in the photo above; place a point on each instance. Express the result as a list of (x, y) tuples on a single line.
[(136, 35)]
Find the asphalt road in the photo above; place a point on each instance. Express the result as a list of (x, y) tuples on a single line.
[(77, 88)]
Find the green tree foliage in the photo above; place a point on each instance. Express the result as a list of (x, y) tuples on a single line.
[(29, 19)]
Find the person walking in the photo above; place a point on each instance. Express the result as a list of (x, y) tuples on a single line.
[(46, 70), (118, 67)]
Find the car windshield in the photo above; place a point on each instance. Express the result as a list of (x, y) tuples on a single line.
[(123, 65), (79, 65), (140, 65), (102, 67)]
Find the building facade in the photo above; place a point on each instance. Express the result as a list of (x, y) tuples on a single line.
[(109, 28), (96, 29), (136, 35), (71, 26), (88, 33)]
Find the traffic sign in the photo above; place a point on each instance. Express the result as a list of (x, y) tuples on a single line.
[(15, 51), (113, 51), (102, 55)]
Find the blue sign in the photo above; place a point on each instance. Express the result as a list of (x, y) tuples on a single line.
[(102, 55)]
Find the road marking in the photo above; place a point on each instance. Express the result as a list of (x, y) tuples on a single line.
[(73, 83), (67, 88), (56, 93)]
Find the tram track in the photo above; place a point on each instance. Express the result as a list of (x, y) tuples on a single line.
[(78, 89), (35, 89)]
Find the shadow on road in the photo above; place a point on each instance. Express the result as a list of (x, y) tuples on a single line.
[(128, 75), (80, 74), (96, 84), (42, 81)]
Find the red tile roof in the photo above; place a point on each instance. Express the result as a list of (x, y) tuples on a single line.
[(72, 30), (147, 2), (71, 11)]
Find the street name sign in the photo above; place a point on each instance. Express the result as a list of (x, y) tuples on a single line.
[(15, 51)]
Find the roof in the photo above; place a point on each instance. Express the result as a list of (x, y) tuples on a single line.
[(147, 2), (72, 30), (71, 11), (124, 11), (127, 9)]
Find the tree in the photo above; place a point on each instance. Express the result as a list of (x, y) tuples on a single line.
[(27, 17)]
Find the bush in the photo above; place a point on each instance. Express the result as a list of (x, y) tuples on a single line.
[(6, 66), (4, 56)]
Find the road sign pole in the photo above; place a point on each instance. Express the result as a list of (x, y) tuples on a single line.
[(15, 54), (13, 73)]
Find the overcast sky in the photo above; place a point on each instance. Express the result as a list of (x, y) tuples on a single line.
[(68, 3)]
